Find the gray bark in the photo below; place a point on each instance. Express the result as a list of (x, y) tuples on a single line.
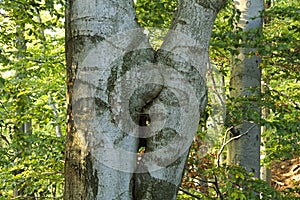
[(245, 81), (122, 95), (265, 171), (89, 25), (217, 95)]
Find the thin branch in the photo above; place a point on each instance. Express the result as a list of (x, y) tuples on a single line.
[(188, 193), (204, 181), (5, 139), (217, 188), (222, 147), (226, 133), (43, 62), (230, 140)]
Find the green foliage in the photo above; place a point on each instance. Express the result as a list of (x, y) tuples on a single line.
[(280, 63), (225, 37), (32, 90), (32, 94), (204, 179), (37, 171), (156, 13), (155, 17), (278, 48)]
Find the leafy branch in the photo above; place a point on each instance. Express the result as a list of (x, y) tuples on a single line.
[(296, 105)]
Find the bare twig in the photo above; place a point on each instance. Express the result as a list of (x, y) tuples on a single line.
[(204, 181), (230, 140), (188, 193), (217, 188), (222, 147), (5, 139), (226, 133)]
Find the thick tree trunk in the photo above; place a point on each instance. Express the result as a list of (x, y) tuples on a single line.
[(245, 82), (122, 95), (184, 55), (94, 65)]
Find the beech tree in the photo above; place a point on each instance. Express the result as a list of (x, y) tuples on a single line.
[(245, 87), (132, 111)]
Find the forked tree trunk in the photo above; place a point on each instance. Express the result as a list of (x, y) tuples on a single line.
[(122, 96), (245, 83)]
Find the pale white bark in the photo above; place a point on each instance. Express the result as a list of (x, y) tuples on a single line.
[(216, 92), (90, 25), (245, 81), (55, 113), (185, 50), (265, 171), (115, 77)]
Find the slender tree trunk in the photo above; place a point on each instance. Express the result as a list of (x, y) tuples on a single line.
[(265, 172), (123, 96), (245, 83), (53, 105), (217, 96), (25, 127), (58, 131)]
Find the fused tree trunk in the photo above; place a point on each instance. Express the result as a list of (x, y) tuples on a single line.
[(245, 83), (123, 96)]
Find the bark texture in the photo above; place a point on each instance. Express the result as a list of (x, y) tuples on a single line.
[(93, 66), (265, 171), (185, 50), (245, 82), (123, 95)]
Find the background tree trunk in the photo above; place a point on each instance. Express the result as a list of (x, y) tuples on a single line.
[(122, 95), (25, 127), (245, 83), (265, 171)]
